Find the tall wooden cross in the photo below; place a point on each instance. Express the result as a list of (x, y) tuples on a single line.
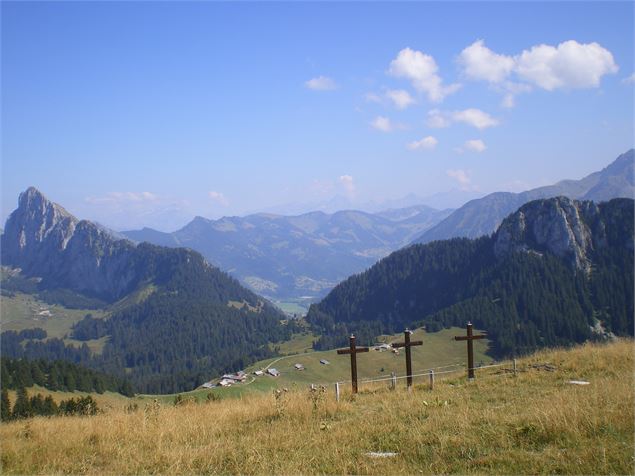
[(407, 344), (353, 350), (470, 349)]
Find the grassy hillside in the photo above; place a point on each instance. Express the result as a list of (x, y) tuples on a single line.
[(438, 349), (533, 423), (25, 311)]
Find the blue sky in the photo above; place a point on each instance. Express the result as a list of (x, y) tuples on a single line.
[(150, 113)]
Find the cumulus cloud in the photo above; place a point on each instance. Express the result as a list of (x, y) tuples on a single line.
[(475, 145), (321, 83), (400, 98), (481, 63), (348, 184), (218, 197), (427, 143), (569, 65), (473, 117), (462, 177), (382, 123), (422, 71)]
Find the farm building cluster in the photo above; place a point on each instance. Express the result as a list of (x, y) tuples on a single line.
[(239, 377)]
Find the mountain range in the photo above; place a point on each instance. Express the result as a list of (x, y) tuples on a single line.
[(483, 215), (556, 272), (294, 256), (173, 319), (287, 257)]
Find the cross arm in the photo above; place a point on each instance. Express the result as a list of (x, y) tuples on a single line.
[(403, 344), (470, 338), (356, 351)]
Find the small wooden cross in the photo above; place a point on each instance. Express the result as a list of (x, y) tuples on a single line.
[(470, 349), (353, 350), (407, 344)]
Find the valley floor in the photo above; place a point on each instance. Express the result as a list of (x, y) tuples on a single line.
[(535, 422)]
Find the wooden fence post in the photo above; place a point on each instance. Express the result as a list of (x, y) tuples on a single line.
[(337, 391), (431, 379), (393, 380)]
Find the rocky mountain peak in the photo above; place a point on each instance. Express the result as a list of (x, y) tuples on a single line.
[(45, 240), (558, 225), (35, 221)]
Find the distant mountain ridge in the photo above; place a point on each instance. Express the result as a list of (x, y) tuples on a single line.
[(557, 271), (293, 256), (482, 216)]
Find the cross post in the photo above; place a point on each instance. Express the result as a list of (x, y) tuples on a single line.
[(470, 349), (407, 343), (353, 350)]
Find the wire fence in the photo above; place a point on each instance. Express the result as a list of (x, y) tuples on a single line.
[(431, 373)]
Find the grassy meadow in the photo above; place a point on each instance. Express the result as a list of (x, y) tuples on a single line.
[(438, 350), (534, 422)]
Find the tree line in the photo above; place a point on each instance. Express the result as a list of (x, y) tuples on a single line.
[(59, 375), (37, 405)]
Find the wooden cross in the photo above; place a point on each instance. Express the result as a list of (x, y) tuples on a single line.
[(470, 349), (353, 350), (407, 344)]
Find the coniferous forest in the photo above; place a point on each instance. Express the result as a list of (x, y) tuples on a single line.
[(524, 300)]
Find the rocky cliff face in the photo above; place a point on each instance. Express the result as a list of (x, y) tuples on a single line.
[(46, 241), (561, 226)]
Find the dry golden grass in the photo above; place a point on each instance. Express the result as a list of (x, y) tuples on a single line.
[(529, 424)]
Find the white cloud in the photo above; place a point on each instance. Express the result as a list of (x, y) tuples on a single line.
[(510, 90), (427, 143), (129, 210), (481, 63), (462, 177), (438, 119), (218, 197), (321, 83), (382, 123), (119, 198), (421, 70), (475, 145), (473, 117), (629, 79), (570, 65), (400, 98), (347, 182)]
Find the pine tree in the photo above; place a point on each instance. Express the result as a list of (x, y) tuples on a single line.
[(5, 406), (22, 407), (50, 407)]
